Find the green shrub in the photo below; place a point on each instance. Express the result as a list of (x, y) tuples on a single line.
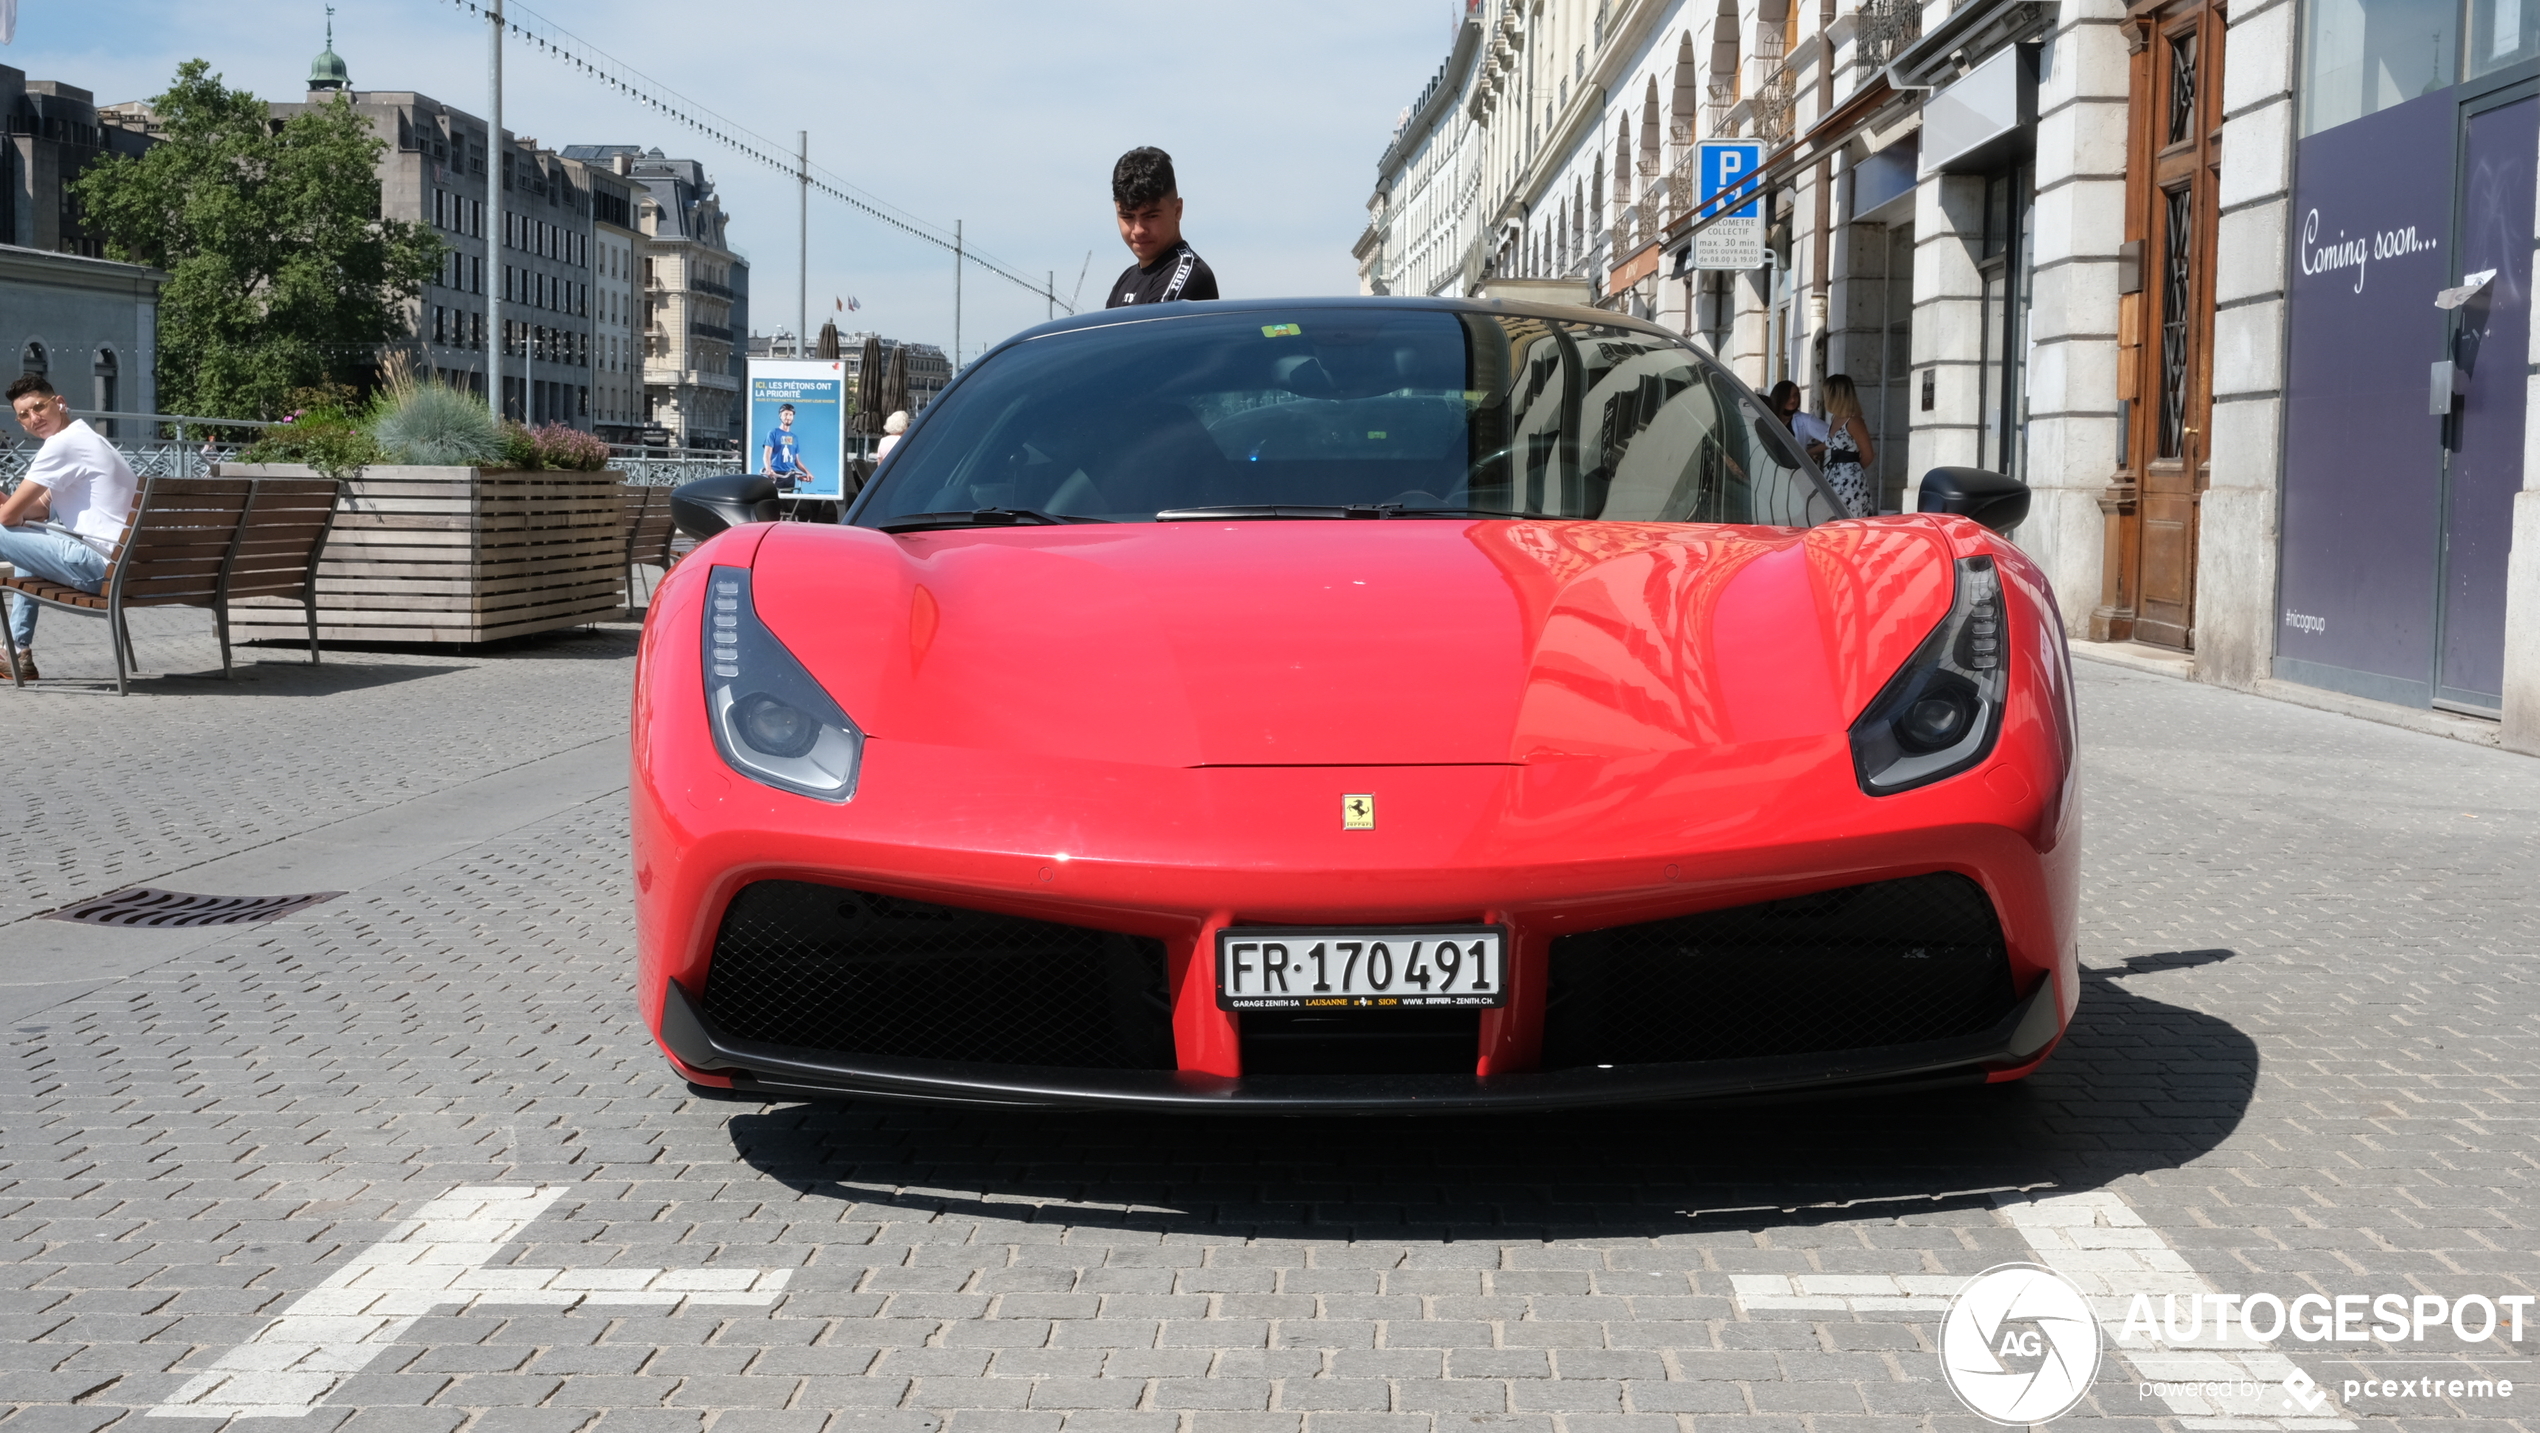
[(568, 448), (325, 438), (519, 449), (435, 424)]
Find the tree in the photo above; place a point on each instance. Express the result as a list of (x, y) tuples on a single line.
[(281, 272)]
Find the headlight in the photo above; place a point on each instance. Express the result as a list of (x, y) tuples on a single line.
[(1940, 713), (771, 721)]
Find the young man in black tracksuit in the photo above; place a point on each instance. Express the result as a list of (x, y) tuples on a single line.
[(1150, 209)]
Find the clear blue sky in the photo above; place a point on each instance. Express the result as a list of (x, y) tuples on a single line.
[(1007, 116)]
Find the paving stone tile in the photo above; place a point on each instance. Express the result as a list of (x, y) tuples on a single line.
[(2304, 1028), (1074, 1393), (1335, 1394), (58, 1418), (1106, 1420)]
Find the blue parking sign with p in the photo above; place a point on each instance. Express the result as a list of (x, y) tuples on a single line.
[(1727, 164)]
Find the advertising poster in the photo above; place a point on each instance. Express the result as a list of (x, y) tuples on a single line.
[(798, 424), (2363, 457), (1736, 242)]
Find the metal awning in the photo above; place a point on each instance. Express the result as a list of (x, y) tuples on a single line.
[(1978, 29)]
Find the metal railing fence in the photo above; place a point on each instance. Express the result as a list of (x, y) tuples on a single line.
[(174, 445), (669, 467), (156, 444)]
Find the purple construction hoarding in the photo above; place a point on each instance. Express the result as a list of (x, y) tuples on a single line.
[(2371, 215)]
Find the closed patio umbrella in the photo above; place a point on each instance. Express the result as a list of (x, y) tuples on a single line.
[(828, 339), (869, 411), (895, 383)]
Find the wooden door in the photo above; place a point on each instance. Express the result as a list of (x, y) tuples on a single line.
[(2166, 327)]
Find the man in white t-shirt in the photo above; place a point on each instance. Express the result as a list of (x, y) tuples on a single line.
[(68, 513)]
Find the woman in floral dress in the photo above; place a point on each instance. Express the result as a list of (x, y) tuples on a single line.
[(1849, 452)]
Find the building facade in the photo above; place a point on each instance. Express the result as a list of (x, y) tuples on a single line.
[(435, 171), (2238, 325), (547, 254), (49, 132), (617, 369), (684, 282), (89, 326)]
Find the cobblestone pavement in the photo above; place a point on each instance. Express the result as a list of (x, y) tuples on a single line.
[(191, 767), (405, 1162)]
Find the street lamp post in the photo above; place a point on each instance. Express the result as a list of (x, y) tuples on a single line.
[(494, 151), (802, 238)]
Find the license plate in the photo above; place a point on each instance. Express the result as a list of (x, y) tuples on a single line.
[(1288, 968)]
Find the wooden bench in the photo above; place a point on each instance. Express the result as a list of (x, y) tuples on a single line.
[(649, 531), (201, 542)]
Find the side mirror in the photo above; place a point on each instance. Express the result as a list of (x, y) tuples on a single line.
[(709, 505), (1997, 501)]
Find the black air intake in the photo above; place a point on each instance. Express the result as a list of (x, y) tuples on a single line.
[(824, 968), (1890, 963)]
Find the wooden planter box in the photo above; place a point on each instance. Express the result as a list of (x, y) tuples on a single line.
[(457, 555)]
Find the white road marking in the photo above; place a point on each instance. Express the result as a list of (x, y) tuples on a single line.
[(2103, 1246), (433, 1261)]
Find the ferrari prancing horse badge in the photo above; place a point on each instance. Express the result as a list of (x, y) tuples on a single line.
[(1358, 813)]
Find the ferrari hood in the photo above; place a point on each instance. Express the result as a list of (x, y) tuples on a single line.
[(1353, 643)]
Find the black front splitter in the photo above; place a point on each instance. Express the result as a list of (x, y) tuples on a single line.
[(785, 1071)]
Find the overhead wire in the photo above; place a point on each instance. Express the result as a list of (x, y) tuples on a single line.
[(634, 84)]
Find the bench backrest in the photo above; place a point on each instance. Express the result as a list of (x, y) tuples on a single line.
[(646, 507), (632, 501), (200, 542), (288, 520), (652, 539), (175, 552)]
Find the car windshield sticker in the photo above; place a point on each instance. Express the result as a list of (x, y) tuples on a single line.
[(1281, 330)]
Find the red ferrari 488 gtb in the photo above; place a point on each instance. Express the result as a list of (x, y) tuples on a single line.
[(1355, 705)]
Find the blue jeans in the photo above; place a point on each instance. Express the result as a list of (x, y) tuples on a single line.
[(53, 556)]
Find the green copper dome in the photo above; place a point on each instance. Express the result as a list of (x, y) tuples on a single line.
[(327, 71)]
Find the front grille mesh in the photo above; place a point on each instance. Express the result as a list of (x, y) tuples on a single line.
[(1889, 963), (854, 973)]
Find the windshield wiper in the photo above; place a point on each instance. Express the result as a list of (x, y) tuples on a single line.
[(1242, 511), (978, 517), (1408, 510)]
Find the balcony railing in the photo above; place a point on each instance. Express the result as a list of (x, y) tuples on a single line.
[(1887, 26), (1774, 106), (710, 330), (1719, 101)]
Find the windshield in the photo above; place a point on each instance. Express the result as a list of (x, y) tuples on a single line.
[(1406, 410)]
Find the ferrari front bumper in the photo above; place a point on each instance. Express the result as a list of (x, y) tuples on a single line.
[(785, 1072)]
